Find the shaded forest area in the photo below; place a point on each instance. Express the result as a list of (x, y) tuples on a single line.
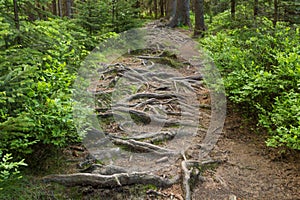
[(254, 44)]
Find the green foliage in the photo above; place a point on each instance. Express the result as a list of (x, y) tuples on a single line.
[(243, 17), (285, 116), (35, 87), (125, 15), (31, 188), (92, 15), (38, 65), (261, 67), (8, 168), (98, 17)]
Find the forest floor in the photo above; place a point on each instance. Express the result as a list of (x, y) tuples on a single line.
[(251, 171), (247, 169)]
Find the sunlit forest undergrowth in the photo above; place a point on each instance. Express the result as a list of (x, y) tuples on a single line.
[(260, 64), (39, 59)]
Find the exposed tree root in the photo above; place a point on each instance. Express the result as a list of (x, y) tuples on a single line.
[(146, 118), (153, 137), (109, 181), (151, 95), (144, 147), (104, 169), (187, 168), (154, 98), (186, 179)]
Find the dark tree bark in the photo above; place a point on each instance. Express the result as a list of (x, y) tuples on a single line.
[(233, 4), (182, 15), (59, 5), (113, 10), (162, 8), (199, 18), (16, 15), (255, 8), (155, 9), (17, 20), (186, 13), (54, 7), (69, 8), (275, 12), (170, 8)]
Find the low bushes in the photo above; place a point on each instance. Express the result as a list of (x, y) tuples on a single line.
[(260, 64)]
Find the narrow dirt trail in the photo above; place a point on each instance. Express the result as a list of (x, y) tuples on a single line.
[(154, 110), (252, 170)]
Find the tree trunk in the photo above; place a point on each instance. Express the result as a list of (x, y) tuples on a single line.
[(69, 8), (182, 14), (199, 18), (16, 15), (275, 12), (60, 8), (255, 8), (54, 7), (113, 10), (186, 13), (162, 8), (210, 11), (155, 9), (233, 4), (17, 20), (171, 8)]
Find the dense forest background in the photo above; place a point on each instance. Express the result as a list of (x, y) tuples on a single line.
[(255, 45)]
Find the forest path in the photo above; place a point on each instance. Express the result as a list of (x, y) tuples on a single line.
[(252, 170), (154, 110)]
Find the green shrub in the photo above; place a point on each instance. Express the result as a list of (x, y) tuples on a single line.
[(261, 69), (285, 119), (35, 88), (9, 169)]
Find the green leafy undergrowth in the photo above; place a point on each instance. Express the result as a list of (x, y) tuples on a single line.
[(9, 169), (261, 68), (35, 87)]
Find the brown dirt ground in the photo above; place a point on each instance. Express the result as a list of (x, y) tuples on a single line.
[(252, 170)]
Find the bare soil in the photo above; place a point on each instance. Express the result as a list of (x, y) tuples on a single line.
[(252, 170)]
